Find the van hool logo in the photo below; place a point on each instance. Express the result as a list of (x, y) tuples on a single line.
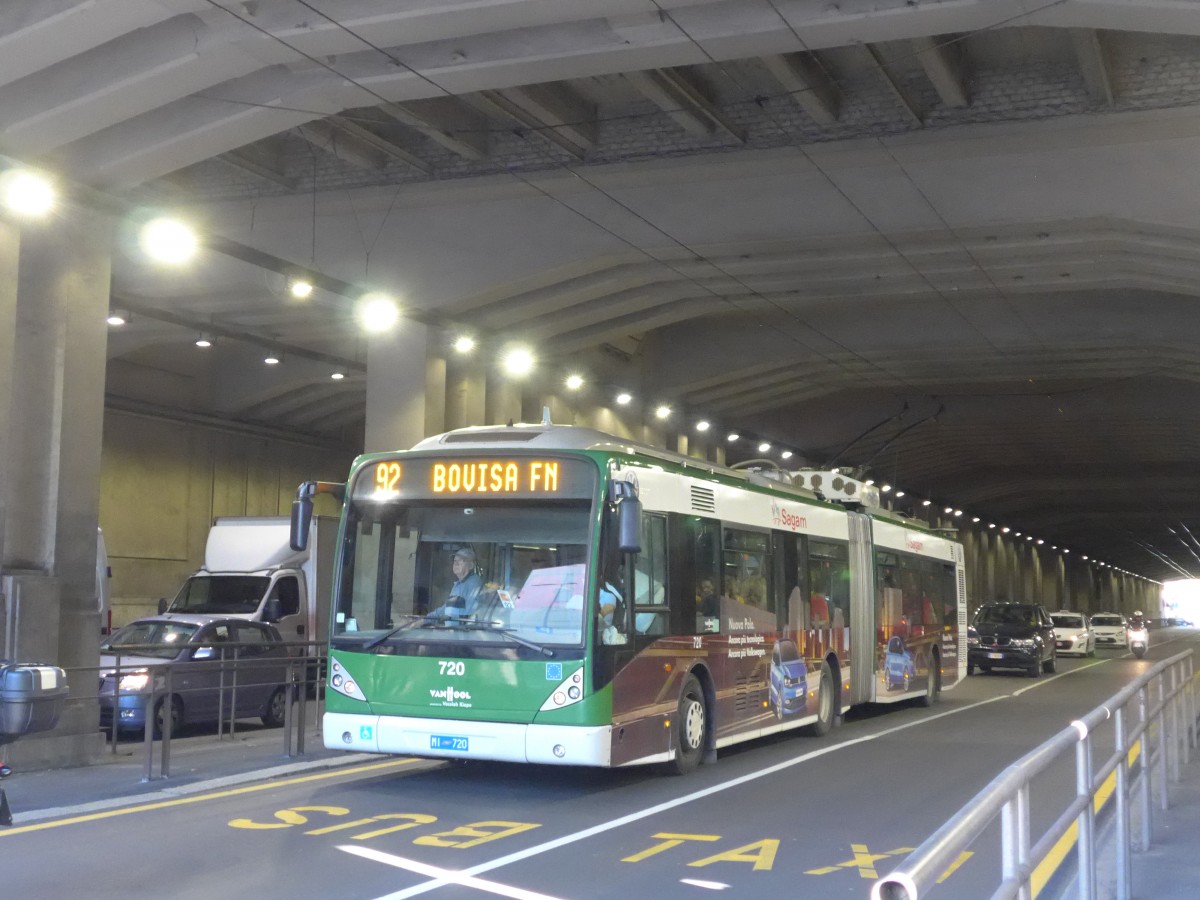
[(780, 516), (449, 695)]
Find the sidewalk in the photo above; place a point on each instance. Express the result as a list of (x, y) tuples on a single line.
[(197, 764), (1169, 869)]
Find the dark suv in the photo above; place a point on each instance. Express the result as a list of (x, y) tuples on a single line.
[(1011, 636)]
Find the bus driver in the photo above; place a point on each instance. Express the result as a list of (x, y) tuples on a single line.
[(464, 593)]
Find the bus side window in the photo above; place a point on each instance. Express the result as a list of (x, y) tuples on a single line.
[(706, 569), (650, 577)]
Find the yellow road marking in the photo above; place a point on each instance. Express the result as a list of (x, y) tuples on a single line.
[(962, 858), (200, 798), (863, 860)]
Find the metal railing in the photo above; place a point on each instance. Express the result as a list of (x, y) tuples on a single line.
[(1159, 740), (235, 670)]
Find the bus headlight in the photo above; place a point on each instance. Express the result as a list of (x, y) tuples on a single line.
[(340, 681), (567, 692)]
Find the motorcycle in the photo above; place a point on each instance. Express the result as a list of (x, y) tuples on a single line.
[(1139, 640)]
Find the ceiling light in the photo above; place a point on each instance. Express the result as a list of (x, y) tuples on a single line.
[(885, 488), (975, 520), (204, 341), (574, 382), (624, 398), (337, 376), (1005, 529), (662, 412), (1016, 534), (168, 241), (1084, 556), (733, 436), (26, 193), (117, 317), (518, 362), (464, 344), (786, 454), (899, 494), (764, 447), (958, 512), (991, 524), (273, 359), (948, 510), (926, 502), (377, 313), (1065, 550), (869, 482), (703, 425), (1040, 541), (300, 288)]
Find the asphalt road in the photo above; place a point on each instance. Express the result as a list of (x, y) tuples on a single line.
[(790, 816)]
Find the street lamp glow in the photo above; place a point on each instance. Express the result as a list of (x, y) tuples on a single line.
[(574, 382), (377, 313), (518, 362), (26, 193), (168, 241)]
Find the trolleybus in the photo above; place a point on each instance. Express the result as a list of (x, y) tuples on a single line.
[(625, 605)]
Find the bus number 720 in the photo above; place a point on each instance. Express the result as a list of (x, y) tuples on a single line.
[(452, 667)]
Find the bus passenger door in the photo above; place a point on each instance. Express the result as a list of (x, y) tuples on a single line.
[(862, 610)]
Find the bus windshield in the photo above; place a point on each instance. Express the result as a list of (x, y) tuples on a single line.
[(496, 573)]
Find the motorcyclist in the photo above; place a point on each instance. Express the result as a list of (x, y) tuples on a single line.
[(1137, 622)]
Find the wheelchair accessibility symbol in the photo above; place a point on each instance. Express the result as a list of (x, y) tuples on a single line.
[(364, 732)]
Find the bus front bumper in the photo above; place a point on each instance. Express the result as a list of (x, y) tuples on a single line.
[(459, 739)]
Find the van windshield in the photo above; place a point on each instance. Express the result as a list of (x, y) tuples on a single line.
[(155, 638), (220, 595)]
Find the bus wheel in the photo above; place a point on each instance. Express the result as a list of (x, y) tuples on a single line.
[(825, 702), (934, 684), (691, 723)]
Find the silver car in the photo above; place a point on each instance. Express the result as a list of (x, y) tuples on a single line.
[(1073, 634), (1111, 630), (209, 656)]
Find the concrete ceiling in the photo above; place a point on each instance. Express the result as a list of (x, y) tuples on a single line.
[(952, 243)]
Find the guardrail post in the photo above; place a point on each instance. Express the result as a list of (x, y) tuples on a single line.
[(221, 695), (1161, 721), (1144, 770), (1124, 864), (116, 705), (1087, 818), (288, 718), (1014, 851), (233, 692), (148, 740), (168, 702), (302, 712)]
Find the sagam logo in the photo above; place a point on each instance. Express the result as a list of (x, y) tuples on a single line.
[(781, 516)]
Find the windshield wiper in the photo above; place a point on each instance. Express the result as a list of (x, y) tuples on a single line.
[(511, 633), (412, 621)]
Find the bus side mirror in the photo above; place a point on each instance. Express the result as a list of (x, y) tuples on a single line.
[(629, 525), (302, 508), (162, 605)]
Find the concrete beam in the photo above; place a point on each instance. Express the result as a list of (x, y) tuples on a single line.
[(685, 100), (942, 60), (446, 121), (368, 138), (907, 104), (553, 111), (1093, 63), (807, 84)]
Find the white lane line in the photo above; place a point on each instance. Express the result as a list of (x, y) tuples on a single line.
[(1041, 681), (711, 885), (446, 876), (586, 833)]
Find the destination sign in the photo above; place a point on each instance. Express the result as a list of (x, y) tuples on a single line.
[(533, 477)]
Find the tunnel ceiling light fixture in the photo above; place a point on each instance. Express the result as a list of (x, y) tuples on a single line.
[(733, 436), (764, 447), (338, 375), (27, 193), (464, 344), (662, 411), (899, 494), (300, 288), (273, 359), (377, 313), (574, 382), (168, 241), (624, 398), (703, 425), (204, 341), (117, 317), (786, 454), (518, 362)]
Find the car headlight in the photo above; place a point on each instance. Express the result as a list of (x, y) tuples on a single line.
[(134, 681), (1024, 643)]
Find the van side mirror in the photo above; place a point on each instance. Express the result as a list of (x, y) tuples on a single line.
[(162, 605), (271, 610), (203, 653)]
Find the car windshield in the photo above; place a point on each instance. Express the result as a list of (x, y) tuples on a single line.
[(220, 595), (1064, 621), (788, 652), (1005, 615), (158, 638), (1106, 620)]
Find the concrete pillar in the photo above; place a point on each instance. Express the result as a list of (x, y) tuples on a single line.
[(397, 383), (52, 412), (503, 400), (466, 393)]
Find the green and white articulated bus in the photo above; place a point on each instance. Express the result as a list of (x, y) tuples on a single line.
[(629, 605)]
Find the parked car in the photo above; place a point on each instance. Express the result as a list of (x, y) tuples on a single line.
[(1110, 630), (205, 654), (1073, 633), (788, 686), (1011, 636), (898, 665)]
